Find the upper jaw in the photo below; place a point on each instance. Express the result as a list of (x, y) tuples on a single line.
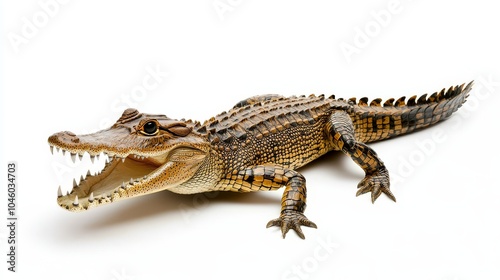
[(93, 144)]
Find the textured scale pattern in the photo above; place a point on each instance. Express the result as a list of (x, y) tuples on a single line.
[(376, 122), (269, 131), (258, 145), (263, 139)]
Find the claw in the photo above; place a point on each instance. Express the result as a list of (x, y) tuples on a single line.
[(376, 183), (299, 232), (291, 220), (376, 193), (275, 222), (310, 224), (362, 190), (284, 229), (389, 194)]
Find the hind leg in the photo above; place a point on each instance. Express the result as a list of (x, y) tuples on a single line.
[(341, 132)]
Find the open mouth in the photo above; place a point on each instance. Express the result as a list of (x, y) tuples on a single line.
[(122, 176)]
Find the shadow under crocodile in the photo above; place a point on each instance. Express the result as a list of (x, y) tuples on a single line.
[(166, 203)]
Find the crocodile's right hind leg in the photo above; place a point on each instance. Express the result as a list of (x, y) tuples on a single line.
[(341, 132)]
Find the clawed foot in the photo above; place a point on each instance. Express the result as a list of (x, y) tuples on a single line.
[(376, 183), (291, 220)]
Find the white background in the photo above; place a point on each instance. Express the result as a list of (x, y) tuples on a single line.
[(85, 62)]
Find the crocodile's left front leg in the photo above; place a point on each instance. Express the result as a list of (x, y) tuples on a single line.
[(273, 177)]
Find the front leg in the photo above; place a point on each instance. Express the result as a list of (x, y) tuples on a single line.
[(293, 204), (272, 177)]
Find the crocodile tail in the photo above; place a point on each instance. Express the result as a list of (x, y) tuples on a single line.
[(376, 121)]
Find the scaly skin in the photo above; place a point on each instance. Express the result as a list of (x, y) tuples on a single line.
[(257, 145)]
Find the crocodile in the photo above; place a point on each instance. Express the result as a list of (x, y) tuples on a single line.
[(258, 145)]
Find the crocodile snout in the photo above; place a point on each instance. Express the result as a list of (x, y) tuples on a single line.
[(64, 137)]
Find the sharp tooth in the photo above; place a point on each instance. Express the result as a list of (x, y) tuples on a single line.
[(145, 177), (52, 150), (64, 152), (81, 179), (142, 158), (88, 173), (59, 192), (73, 157), (98, 155), (91, 197), (57, 149), (92, 158), (80, 156), (123, 185), (123, 159), (74, 183), (67, 193), (131, 181), (75, 203)]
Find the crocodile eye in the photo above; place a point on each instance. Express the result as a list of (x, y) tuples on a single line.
[(150, 128)]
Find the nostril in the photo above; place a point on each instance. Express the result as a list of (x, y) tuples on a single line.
[(64, 138), (70, 136), (67, 136)]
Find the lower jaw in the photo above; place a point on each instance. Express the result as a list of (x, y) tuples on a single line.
[(103, 189)]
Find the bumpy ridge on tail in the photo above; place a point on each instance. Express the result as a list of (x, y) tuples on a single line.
[(376, 121)]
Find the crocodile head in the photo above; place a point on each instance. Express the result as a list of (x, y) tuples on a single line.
[(146, 154)]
